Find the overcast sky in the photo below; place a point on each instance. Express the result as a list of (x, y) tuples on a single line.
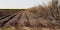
[(21, 3)]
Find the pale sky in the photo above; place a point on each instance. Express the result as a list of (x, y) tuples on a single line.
[(21, 3)]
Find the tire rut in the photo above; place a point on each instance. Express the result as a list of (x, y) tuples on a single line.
[(3, 21), (14, 20)]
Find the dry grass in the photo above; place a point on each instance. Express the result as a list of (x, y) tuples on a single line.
[(12, 28), (27, 28)]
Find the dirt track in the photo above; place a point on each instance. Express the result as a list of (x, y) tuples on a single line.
[(26, 18), (7, 17)]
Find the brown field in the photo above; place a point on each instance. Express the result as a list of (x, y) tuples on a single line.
[(5, 12)]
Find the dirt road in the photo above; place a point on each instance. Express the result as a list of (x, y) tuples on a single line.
[(26, 18)]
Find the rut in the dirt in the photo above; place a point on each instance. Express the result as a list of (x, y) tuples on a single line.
[(28, 19)]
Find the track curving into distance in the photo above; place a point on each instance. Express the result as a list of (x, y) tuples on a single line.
[(26, 18)]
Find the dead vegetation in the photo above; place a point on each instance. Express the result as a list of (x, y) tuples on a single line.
[(44, 17), (48, 16)]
